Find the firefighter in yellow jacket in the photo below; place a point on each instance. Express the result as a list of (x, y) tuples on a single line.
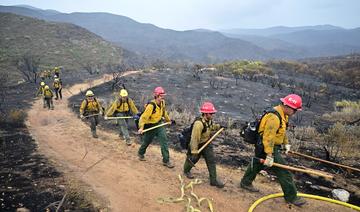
[(57, 71), (123, 106), (48, 95), (90, 109), (58, 88), (200, 134), (272, 130), (154, 112), (40, 92)]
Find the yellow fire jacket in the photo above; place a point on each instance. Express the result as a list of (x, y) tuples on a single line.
[(57, 84), (40, 91), (48, 93), (121, 105), (197, 135), (271, 131), (90, 106), (148, 117)]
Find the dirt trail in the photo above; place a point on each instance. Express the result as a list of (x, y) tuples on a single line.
[(112, 169)]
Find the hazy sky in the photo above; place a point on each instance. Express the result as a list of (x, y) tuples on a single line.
[(216, 14)]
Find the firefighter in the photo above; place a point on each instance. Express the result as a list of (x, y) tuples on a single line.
[(201, 132), (48, 95), (272, 135), (90, 109), (40, 92), (123, 106), (58, 88), (152, 116), (57, 71)]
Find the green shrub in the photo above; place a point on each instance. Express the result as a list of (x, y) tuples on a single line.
[(341, 140), (345, 112)]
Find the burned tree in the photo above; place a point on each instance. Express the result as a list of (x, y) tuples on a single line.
[(117, 72), (90, 68), (28, 66), (197, 70)]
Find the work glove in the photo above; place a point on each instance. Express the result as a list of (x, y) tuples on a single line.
[(269, 161), (287, 148), (173, 122), (101, 112), (136, 117), (193, 158), (82, 116)]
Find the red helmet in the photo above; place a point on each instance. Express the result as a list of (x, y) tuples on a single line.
[(159, 91), (207, 107), (292, 100)]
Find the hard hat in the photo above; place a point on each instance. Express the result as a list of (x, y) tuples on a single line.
[(46, 87), (207, 107), (292, 100), (55, 76), (159, 91), (89, 93), (42, 83), (123, 93)]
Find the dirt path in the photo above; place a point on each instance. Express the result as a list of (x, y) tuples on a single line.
[(111, 168)]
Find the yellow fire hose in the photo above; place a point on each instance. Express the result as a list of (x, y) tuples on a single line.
[(183, 187), (257, 202)]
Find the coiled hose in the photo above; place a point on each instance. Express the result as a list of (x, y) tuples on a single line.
[(257, 202)]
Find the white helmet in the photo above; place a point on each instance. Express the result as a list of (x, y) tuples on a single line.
[(89, 93)]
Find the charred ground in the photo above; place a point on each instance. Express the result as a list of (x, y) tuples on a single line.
[(236, 103)]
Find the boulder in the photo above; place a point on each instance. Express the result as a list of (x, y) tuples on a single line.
[(341, 194)]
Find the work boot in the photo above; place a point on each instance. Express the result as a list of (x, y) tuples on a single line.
[(298, 202), (168, 164), (128, 141), (250, 187), (189, 175), (141, 157), (94, 135), (218, 184)]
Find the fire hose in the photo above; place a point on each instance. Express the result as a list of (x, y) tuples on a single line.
[(257, 202)]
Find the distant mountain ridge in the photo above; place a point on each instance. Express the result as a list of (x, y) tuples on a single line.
[(278, 30), (308, 41), (207, 46), (155, 42)]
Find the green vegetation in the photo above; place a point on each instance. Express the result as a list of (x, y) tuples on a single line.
[(346, 112), (55, 44), (244, 67), (336, 70), (340, 140)]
